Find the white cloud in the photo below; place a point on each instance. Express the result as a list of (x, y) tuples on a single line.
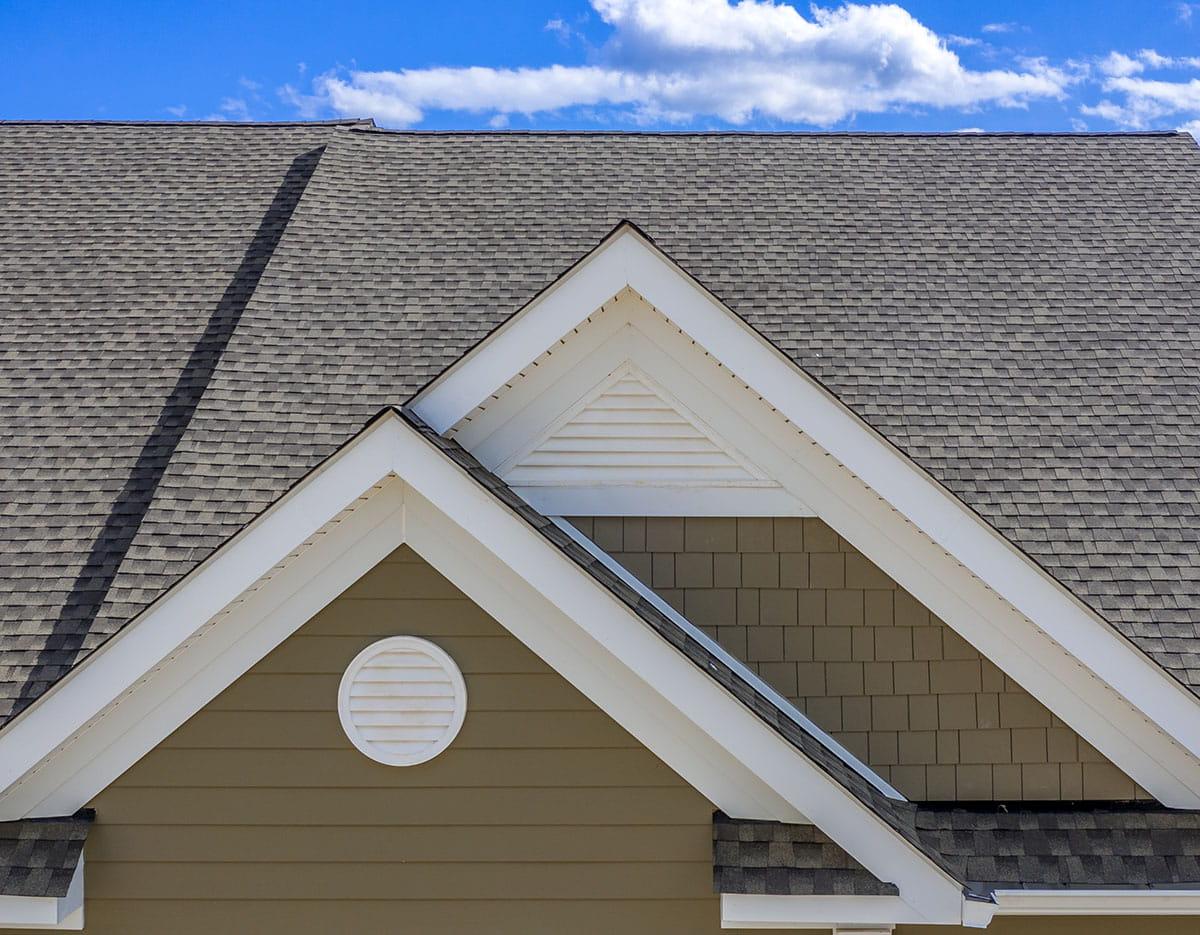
[(560, 28), (177, 111), (235, 108), (1001, 27), (1120, 65), (1142, 103), (1192, 127), (674, 60), (1185, 11)]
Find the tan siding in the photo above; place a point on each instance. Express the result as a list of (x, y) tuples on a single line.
[(542, 816), (862, 657)]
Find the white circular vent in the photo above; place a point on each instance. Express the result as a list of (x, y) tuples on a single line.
[(402, 701)]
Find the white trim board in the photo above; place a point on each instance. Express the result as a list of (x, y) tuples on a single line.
[(387, 487), (743, 911), (1106, 689), (57, 913)]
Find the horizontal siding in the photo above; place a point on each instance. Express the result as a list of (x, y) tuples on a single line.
[(424, 916), (542, 816)]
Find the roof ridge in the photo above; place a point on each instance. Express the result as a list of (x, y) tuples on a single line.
[(817, 134), (356, 122)]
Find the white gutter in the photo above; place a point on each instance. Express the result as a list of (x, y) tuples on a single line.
[(744, 911)]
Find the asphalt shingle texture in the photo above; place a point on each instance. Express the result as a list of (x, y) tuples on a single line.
[(127, 254), (38, 856), (770, 858), (1018, 314), (988, 848)]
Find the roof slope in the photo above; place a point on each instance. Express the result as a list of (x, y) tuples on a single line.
[(127, 253), (38, 856), (1016, 313), (986, 848)]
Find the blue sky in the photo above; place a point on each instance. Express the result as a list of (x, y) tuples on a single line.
[(602, 64)]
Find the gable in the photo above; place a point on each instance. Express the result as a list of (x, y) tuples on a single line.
[(258, 808), (670, 442), (627, 301)]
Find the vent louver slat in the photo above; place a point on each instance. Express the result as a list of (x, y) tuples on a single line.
[(630, 432)]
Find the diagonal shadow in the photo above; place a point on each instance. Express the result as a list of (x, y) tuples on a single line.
[(95, 579)]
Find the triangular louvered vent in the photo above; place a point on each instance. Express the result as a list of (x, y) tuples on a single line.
[(629, 430), (402, 701)]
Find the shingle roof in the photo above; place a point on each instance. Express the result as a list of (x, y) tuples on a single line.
[(38, 856), (1016, 313), (987, 848), (127, 254), (771, 858)]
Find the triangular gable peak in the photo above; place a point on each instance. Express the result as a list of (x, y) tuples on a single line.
[(627, 303), (612, 421), (627, 430)]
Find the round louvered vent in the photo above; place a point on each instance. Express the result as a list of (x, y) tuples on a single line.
[(402, 701)]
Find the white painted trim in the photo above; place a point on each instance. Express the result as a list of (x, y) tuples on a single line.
[(824, 912), (741, 911), (1151, 902), (62, 913), (582, 630), (663, 501), (1116, 697), (613, 342)]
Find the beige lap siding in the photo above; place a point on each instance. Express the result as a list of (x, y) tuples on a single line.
[(259, 816), (861, 657), (542, 817)]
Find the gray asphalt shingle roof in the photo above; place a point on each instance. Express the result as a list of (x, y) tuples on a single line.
[(985, 847), (38, 856), (1016, 313)]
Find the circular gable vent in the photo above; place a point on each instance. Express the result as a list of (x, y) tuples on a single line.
[(402, 701)]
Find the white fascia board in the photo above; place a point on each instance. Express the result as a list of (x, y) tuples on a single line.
[(626, 260), (1114, 902), (743, 911), (61, 913)]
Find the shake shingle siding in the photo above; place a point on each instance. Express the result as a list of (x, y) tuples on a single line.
[(1015, 313)]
